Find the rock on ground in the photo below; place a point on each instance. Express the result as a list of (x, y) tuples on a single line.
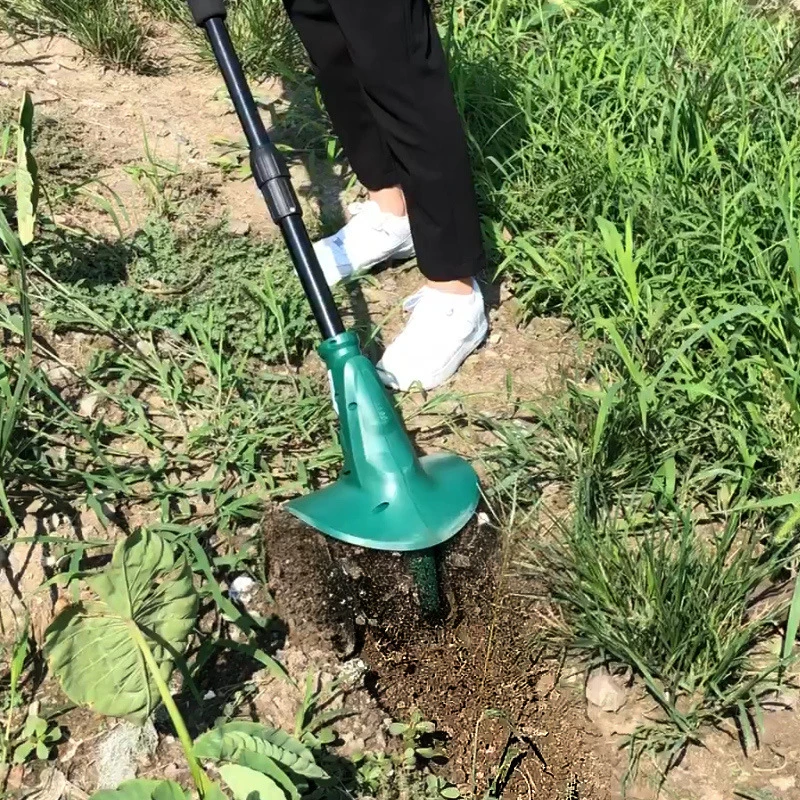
[(121, 750)]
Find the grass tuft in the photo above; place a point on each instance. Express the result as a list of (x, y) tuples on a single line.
[(688, 607), (109, 30)]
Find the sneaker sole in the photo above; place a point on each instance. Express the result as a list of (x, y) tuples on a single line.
[(468, 346)]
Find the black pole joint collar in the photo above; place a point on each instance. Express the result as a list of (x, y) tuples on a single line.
[(272, 177), (204, 10)]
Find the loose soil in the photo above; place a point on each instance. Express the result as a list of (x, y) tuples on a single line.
[(477, 672), (478, 659)]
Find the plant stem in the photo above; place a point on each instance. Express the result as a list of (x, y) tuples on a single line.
[(198, 775)]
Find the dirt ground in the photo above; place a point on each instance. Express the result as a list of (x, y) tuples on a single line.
[(477, 671), (460, 670)]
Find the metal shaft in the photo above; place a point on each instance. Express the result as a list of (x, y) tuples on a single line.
[(272, 176)]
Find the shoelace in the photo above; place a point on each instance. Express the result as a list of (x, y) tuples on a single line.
[(359, 208)]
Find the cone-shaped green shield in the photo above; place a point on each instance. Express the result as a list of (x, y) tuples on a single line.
[(386, 498)]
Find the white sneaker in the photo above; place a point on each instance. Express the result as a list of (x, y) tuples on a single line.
[(370, 237), (443, 330)]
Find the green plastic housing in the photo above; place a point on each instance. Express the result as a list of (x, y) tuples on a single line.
[(386, 498)]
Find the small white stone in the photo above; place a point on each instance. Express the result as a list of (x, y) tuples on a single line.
[(239, 227), (241, 586), (88, 404), (603, 691), (784, 784)]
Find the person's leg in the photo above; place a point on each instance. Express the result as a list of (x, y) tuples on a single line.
[(400, 62), (379, 230), (382, 61), (361, 138)]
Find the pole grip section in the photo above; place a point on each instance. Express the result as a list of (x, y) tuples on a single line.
[(204, 10), (270, 171)]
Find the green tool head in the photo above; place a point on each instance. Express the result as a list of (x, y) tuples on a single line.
[(386, 497)]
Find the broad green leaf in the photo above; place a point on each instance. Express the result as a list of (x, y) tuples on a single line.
[(92, 646), (27, 178), (169, 790), (23, 751), (137, 789), (34, 727), (247, 784), (213, 792), (250, 743), (792, 623), (266, 766)]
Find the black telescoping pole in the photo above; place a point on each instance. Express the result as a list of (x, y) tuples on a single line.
[(269, 169)]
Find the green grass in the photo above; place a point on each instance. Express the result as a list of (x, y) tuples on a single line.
[(170, 10), (241, 293), (645, 160), (264, 38), (109, 30), (120, 34), (638, 166), (194, 378), (685, 605)]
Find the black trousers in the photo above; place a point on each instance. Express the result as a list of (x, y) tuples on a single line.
[(383, 77)]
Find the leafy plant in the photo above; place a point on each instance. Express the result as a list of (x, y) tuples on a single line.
[(637, 165), (407, 773), (15, 374), (107, 29), (19, 652), (115, 651), (157, 178), (244, 293), (36, 738), (248, 749), (130, 633), (316, 714), (683, 608)]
